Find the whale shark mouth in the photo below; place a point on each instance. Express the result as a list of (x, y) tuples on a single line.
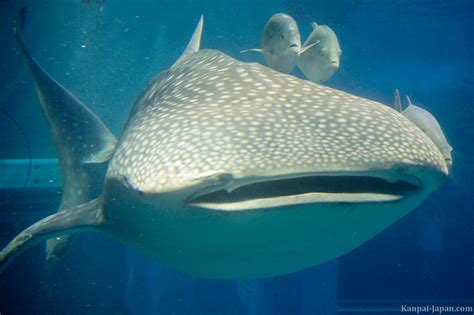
[(308, 189)]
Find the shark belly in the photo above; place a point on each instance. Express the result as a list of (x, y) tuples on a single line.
[(250, 243)]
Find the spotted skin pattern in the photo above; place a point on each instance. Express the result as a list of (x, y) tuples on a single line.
[(211, 114)]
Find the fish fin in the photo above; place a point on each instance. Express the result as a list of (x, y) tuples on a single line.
[(79, 136), (408, 100), (75, 127), (304, 49), (397, 101), (85, 217), (259, 50), (314, 25), (195, 42)]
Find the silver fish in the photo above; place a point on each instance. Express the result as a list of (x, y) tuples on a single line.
[(427, 123), (281, 43), (321, 53)]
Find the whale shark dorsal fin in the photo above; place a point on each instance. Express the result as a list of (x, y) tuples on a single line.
[(195, 42), (397, 101), (314, 25), (259, 50)]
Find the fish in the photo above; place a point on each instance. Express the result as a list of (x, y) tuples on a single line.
[(321, 53), (231, 170), (424, 120), (281, 43)]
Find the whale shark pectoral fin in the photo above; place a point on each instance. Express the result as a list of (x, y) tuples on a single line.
[(304, 49), (86, 217), (195, 42), (259, 50), (397, 101)]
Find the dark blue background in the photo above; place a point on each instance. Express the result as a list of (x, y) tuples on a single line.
[(424, 48)]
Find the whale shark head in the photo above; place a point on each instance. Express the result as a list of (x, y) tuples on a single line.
[(254, 173), (238, 136)]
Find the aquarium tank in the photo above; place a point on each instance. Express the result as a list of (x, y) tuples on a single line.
[(282, 157)]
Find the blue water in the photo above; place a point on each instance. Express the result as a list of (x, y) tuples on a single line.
[(107, 55)]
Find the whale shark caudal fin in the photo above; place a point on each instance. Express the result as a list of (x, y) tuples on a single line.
[(195, 42), (66, 113), (83, 143), (86, 217)]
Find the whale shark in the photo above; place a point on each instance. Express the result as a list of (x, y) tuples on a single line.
[(231, 170)]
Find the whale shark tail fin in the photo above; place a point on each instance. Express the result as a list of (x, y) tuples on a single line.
[(71, 122), (82, 142)]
